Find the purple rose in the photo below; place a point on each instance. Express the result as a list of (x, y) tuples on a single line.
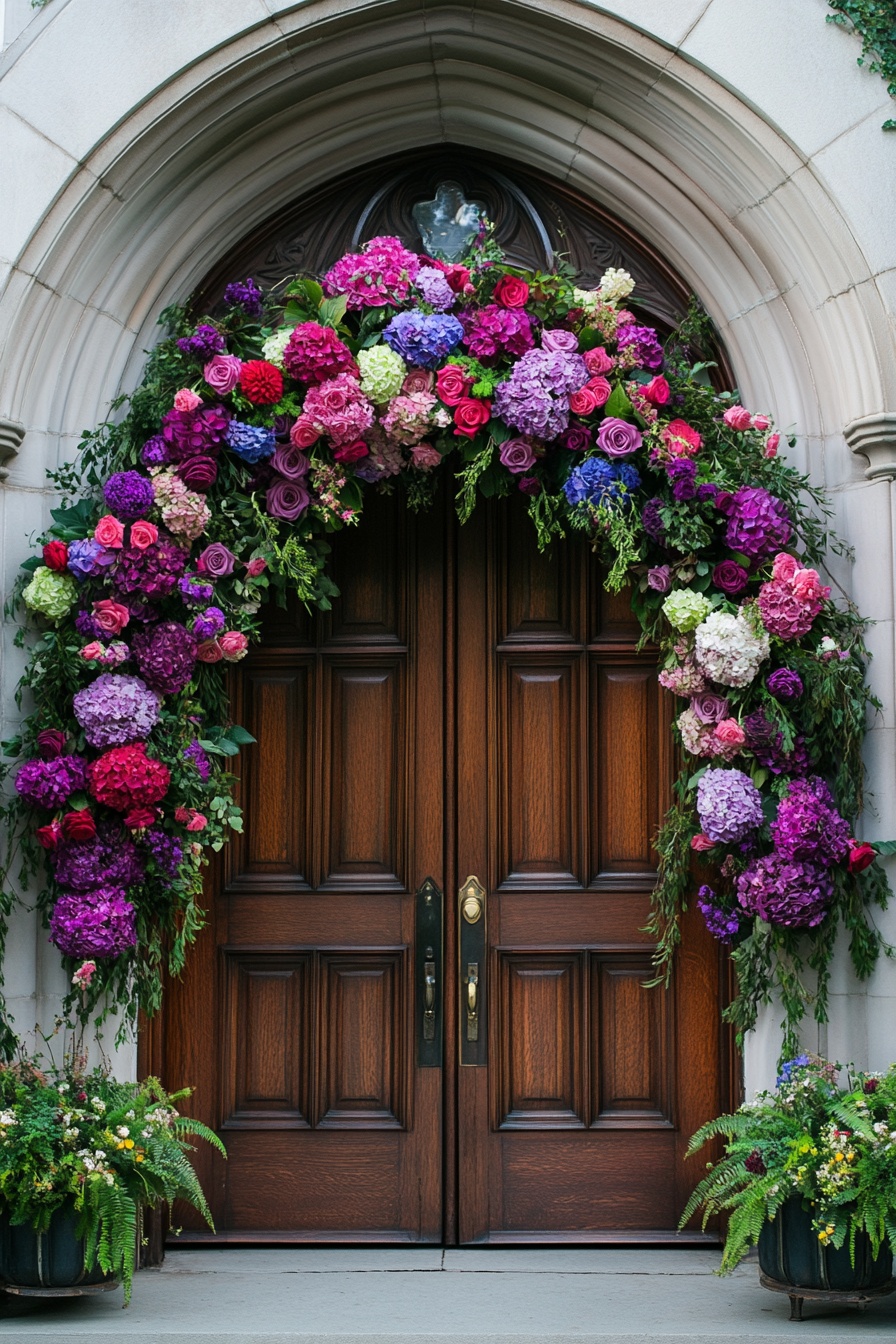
[(784, 684), (216, 560), (730, 577), (291, 462), (709, 707), (618, 438), (517, 455), (222, 373), (576, 439), (198, 473), (659, 579), (287, 499), (530, 485), (559, 341)]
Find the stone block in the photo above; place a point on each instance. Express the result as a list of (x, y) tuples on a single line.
[(859, 169), (33, 168)]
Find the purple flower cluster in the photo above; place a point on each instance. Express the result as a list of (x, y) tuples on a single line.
[(722, 924), (652, 522), (166, 655), (644, 344), (198, 433), (682, 474), (129, 495), (205, 342), (100, 923), (785, 891), (209, 624), (198, 755), (110, 859), (424, 339), (151, 573), (246, 296), (51, 783), (116, 709), (493, 331), (535, 398), (808, 825), (252, 443), (154, 452), (729, 805), (194, 592), (784, 684), (435, 288), (87, 558), (758, 523), (166, 851)]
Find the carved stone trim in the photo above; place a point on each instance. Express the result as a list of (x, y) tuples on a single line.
[(874, 437), (12, 432)]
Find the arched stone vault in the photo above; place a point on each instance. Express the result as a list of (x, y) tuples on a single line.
[(155, 142)]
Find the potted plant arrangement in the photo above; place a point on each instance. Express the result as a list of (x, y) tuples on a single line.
[(809, 1174), (81, 1156)]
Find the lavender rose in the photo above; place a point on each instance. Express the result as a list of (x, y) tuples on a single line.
[(287, 499), (618, 438), (659, 579), (216, 560), (517, 455), (709, 707), (559, 341), (291, 462), (222, 373)]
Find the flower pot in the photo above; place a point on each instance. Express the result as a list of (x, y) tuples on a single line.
[(47, 1264), (794, 1261)]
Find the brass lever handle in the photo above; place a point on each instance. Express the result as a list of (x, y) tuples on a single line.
[(429, 1001), (473, 1001)]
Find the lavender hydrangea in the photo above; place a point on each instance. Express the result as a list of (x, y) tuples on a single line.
[(88, 558), (209, 624), (110, 859), (129, 495), (728, 805), (116, 709), (535, 398), (50, 784), (787, 892), (722, 924), (758, 523), (246, 296), (808, 825), (252, 443), (424, 339), (166, 656), (166, 851), (100, 923), (205, 342), (435, 288)]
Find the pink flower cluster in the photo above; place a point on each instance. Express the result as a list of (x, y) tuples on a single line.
[(337, 408), (790, 601), (381, 273)]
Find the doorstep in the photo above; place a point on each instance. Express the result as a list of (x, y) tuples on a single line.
[(457, 1296)]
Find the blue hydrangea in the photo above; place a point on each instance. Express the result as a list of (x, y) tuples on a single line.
[(423, 338), (250, 442), (88, 558), (598, 481), (787, 1069)]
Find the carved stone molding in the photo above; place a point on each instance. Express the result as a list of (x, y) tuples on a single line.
[(874, 437), (12, 432)]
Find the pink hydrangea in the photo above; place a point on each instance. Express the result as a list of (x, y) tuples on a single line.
[(790, 601), (409, 417), (339, 409), (381, 273), (315, 353)]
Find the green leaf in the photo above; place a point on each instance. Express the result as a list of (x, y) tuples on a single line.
[(619, 405), (32, 563), (332, 311), (240, 735), (884, 846)]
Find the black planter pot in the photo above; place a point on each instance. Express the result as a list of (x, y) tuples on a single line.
[(47, 1264), (794, 1261)]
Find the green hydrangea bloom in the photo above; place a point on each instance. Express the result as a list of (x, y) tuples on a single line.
[(52, 594), (273, 348), (382, 373), (686, 609)]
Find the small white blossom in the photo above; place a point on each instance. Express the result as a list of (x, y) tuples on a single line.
[(615, 284), (274, 346)]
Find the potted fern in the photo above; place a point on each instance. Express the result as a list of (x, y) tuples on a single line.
[(808, 1174), (81, 1156)]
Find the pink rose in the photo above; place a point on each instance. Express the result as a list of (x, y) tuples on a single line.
[(452, 384), (470, 414), (657, 391), (808, 587), (186, 400), (681, 439), (587, 399), (597, 361), (109, 532), (419, 380), (182, 814), (784, 567), (771, 445), (84, 974), (701, 842), (424, 457), (208, 651), (511, 292), (760, 422), (197, 822), (729, 733), (304, 433), (233, 645), (256, 567), (222, 373), (143, 534), (351, 452), (110, 616), (517, 455), (737, 417), (217, 560), (92, 652)]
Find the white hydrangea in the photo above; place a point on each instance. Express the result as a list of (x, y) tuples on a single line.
[(273, 348), (587, 299), (728, 649), (615, 284)]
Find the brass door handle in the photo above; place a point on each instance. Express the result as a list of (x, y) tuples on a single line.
[(473, 1001), (429, 1001)]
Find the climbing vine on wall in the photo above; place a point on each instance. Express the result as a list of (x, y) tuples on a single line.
[(875, 23)]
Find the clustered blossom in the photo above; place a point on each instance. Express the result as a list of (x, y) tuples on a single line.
[(640, 345), (252, 443), (729, 649), (87, 558), (787, 892), (729, 805), (184, 512), (126, 777), (758, 523), (808, 825), (424, 339), (166, 655), (435, 288), (381, 273), (493, 331), (535, 398), (600, 483), (337, 408), (129, 495), (164, 850), (685, 608), (722, 924), (205, 342), (49, 784), (383, 372), (109, 859), (409, 418), (100, 923), (790, 601), (51, 594), (115, 709), (151, 572), (246, 296)]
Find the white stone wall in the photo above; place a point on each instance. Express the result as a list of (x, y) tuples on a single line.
[(137, 141)]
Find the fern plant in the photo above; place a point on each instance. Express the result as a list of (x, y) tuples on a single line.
[(833, 1146), (80, 1141)]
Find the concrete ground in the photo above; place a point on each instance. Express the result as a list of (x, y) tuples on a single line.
[(414, 1296)]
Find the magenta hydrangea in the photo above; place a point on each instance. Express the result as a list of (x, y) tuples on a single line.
[(151, 573), (116, 709), (314, 354), (198, 433), (643, 345), (51, 783), (99, 923), (110, 859), (535, 398), (787, 892), (166, 656), (381, 273), (729, 805), (808, 825), (493, 331), (758, 522)]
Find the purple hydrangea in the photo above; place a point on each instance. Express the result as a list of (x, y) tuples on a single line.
[(198, 433), (252, 443), (808, 825), (758, 523), (246, 296), (166, 851), (728, 804), (194, 592), (598, 481), (644, 342), (760, 734), (682, 473), (783, 684), (110, 859), (722, 924), (88, 558), (535, 398), (434, 287), (785, 891), (166, 656), (116, 709), (708, 490), (424, 339), (88, 627), (493, 331), (152, 572), (199, 756), (51, 783), (205, 342), (100, 923), (154, 452), (129, 495), (652, 522), (210, 623)]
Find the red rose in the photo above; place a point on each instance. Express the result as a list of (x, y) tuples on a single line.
[(56, 555), (657, 391), (511, 292), (79, 825), (352, 452), (861, 857), (48, 836), (458, 277), (470, 415), (139, 817), (452, 384), (261, 382)]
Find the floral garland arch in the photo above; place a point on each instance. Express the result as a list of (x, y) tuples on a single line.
[(260, 430)]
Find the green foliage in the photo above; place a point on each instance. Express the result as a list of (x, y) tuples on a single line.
[(875, 23)]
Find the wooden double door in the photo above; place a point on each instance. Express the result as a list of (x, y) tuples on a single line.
[(380, 1071)]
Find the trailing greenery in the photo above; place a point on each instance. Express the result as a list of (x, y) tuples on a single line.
[(875, 23)]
